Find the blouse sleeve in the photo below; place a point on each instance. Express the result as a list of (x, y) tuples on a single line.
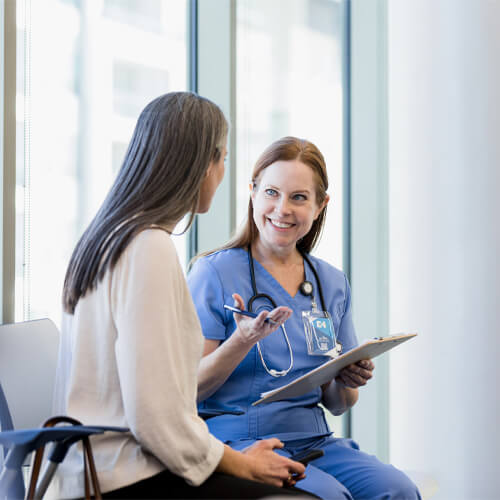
[(158, 349), (208, 296)]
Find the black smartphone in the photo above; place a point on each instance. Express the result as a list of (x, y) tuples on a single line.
[(304, 457)]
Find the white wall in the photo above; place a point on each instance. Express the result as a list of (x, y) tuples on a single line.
[(444, 243)]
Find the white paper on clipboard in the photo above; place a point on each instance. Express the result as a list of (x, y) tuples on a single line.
[(329, 370)]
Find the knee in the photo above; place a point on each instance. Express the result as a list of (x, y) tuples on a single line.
[(392, 484), (402, 487), (323, 485), (333, 492)]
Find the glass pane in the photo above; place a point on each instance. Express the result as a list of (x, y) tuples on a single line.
[(290, 82), (87, 68)]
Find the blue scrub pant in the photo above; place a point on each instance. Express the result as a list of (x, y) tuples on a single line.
[(345, 472)]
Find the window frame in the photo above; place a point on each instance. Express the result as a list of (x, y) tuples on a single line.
[(212, 73), (369, 223), (8, 150), (214, 228), (213, 76)]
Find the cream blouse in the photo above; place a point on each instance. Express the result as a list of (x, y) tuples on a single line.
[(129, 357)]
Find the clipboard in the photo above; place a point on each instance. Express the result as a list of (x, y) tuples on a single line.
[(329, 370)]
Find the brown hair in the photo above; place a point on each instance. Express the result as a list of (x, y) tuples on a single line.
[(287, 149), (176, 137)]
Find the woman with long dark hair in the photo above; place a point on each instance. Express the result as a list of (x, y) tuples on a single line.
[(269, 264), (131, 340)]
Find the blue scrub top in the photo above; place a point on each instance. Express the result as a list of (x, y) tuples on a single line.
[(212, 281)]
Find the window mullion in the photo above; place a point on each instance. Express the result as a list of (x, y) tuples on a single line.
[(9, 159), (216, 79)]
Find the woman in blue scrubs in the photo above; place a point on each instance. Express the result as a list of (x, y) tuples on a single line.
[(244, 357)]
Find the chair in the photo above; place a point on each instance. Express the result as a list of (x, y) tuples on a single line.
[(28, 352), (28, 359)]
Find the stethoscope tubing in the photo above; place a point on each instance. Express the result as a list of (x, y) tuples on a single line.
[(316, 277), (265, 296), (257, 295)]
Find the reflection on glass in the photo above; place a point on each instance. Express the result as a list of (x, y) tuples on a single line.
[(289, 82), (82, 82)]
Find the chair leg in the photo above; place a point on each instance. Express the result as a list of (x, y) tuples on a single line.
[(44, 481)]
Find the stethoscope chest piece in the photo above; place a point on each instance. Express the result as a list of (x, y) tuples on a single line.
[(306, 288)]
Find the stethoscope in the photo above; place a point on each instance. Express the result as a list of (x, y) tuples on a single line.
[(306, 288)]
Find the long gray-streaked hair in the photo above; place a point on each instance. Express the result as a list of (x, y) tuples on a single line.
[(176, 137)]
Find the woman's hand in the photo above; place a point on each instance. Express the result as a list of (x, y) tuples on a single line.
[(357, 374), (250, 330), (220, 359), (271, 468), (342, 394)]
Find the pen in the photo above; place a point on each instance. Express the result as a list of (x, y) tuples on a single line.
[(247, 313)]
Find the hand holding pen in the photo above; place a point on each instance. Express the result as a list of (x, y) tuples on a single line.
[(248, 314), (253, 327)]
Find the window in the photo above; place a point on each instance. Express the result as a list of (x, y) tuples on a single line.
[(290, 82), (82, 82), (290, 75)]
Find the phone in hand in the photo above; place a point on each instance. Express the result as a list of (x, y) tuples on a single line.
[(304, 457)]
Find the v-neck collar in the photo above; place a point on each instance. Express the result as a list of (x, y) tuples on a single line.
[(274, 283)]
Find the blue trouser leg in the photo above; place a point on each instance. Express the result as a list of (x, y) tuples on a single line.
[(323, 485), (346, 473), (363, 475), (317, 482)]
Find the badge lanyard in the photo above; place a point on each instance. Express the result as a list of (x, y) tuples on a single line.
[(318, 325)]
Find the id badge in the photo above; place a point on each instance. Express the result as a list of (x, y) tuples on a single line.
[(320, 333)]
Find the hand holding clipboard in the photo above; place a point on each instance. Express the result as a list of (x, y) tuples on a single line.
[(329, 370)]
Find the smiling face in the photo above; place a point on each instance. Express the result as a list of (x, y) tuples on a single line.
[(284, 205)]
